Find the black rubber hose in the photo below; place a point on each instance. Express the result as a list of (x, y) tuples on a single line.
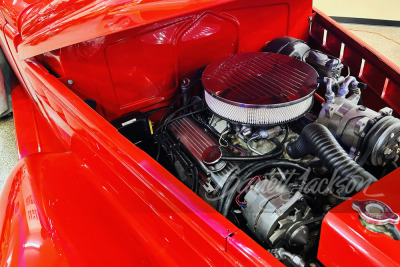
[(228, 183), (286, 134), (274, 153), (196, 182), (393, 230), (178, 118), (196, 78), (176, 112), (225, 190), (171, 121), (316, 139)]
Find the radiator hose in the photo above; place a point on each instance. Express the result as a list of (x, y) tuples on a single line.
[(316, 139)]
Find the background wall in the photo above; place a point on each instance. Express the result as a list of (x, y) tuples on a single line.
[(369, 9)]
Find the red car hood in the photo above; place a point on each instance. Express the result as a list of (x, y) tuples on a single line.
[(49, 25)]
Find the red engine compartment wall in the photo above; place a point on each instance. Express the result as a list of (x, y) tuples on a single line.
[(140, 68), (345, 241), (65, 203), (95, 143), (368, 65)]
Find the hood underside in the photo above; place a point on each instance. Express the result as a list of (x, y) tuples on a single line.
[(49, 25)]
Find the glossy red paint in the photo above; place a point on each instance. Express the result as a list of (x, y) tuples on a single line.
[(140, 68), (11, 10), (134, 211), (54, 23), (33, 132), (346, 242), (24, 239), (379, 73), (100, 200)]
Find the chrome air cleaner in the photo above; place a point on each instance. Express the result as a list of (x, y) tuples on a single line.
[(259, 88)]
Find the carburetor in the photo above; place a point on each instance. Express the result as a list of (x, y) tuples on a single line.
[(370, 135)]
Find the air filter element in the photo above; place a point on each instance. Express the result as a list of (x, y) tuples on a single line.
[(259, 88)]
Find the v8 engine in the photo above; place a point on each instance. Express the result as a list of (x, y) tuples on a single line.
[(249, 137)]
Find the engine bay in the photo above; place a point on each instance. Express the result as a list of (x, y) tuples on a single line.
[(272, 140)]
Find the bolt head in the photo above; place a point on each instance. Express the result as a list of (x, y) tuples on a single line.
[(387, 151)]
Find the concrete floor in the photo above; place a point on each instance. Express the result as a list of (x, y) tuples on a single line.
[(368, 9), (8, 151), (386, 40)]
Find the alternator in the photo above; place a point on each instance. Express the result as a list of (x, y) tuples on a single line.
[(275, 216)]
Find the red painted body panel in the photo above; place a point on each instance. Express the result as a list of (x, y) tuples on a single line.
[(344, 241), (380, 74), (133, 211), (55, 23), (141, 68), (352, 243), (97, 204), (100, 200), (34, 134)]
